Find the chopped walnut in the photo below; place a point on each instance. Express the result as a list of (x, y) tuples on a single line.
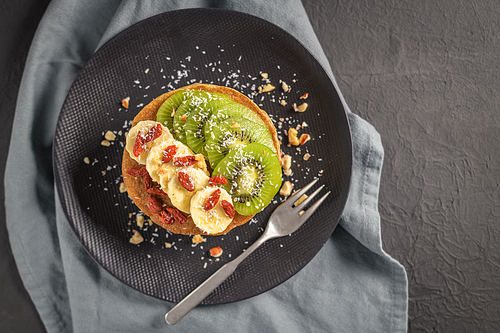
[(286, 189), (86, 160), (123, 187), (304, 96), (286, 162), (292, 137), (198, 239), (110, 136), (301, 108), (283, 102), (140, 220), (105, 143), (306, 156), (168, 245), (266, 88), (125, 102), (264, 75), (136, 237), (304, 138), (285, 86)]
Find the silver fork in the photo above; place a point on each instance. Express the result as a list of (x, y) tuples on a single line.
[(284, 220)]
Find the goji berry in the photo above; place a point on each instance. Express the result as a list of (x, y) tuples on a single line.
[(217, 180), (154, 204), (185, 181), (169, 153), (153, 133), (212, 199), (178, 216), (187, 160), (137, 172), (166, 217), (228, 208), (140, 141), (157, 190), (148, 182)]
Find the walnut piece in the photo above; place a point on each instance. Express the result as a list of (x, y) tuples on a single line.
[(198, 239), (292, 137), (301, 108), (136, 237), (286, 189), (125, 102)]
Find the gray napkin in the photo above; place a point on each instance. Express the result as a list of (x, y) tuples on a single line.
[(352, 285)]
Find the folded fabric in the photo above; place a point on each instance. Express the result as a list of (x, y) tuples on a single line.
[(352, 285)]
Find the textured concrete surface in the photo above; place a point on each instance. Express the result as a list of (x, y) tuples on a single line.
[(425, 74)]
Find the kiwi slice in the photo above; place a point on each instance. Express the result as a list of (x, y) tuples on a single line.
[(166, 111), (253, 173), (195, 123), (232, 109), (234, 132), (197, 99)]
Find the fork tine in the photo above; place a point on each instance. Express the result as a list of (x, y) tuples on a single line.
[(313, 208), (309, 198), (295, 196)]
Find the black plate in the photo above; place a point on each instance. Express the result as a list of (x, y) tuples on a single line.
[(166, 52)]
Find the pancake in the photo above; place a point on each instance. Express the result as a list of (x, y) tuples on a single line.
[(135, 185)]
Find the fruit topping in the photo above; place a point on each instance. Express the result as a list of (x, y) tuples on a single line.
[(169, 153), (185, 181), (253, 173), (185, 161), (137, 172), (153, 133), (228, 208), (166, 217), (140, 141), (154, 204), (212, 199), (217, 180), (177, 214)]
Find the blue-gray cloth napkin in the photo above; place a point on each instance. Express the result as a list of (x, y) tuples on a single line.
[(352, 285)]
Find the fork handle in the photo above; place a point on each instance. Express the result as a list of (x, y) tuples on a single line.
[(204, 289)]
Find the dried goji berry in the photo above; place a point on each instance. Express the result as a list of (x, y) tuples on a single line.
[(148, 182), (185, 181), (140, 141), (169, 153), (154, 204), (157, 190), (217, 180), (178, 216), (212, 199), (137, 172), (187, 160), (228, 208), (153, 133), (166, 217)]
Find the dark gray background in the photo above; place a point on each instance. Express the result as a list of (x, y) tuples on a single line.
[(426, 75)]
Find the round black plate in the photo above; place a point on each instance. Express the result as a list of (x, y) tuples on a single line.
[(165, 52)]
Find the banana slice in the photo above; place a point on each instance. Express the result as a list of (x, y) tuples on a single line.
[(159, 171), (179, 196), (212, 221), (144, 127)]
